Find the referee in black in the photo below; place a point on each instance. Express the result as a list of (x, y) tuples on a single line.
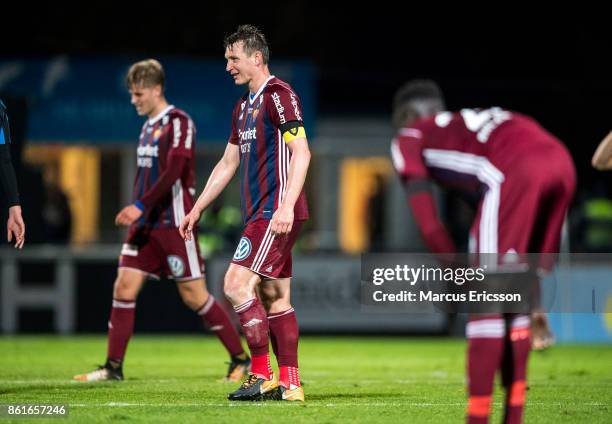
[(8, 182)]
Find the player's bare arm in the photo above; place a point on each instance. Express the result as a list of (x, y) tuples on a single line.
[(602, 159), (218, 180), (282, 220), (133, 212)]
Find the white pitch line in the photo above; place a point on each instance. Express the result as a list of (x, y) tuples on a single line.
[(327, 405), (252, 404), (365, 382), (69, 381), (172, 405)]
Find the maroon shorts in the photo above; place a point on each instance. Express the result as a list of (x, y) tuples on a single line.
[(264, 253), (162, 252), (524, 208)]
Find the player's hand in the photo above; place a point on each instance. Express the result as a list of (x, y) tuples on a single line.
[(15, 227), (188, 224), (282, 221), (128, 215), (602, 159)]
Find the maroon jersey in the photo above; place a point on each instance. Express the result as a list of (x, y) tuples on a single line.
[(165, 182), (466, 149), (506, 158), (258, 122)]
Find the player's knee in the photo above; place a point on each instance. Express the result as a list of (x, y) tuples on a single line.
[(125, 289), (278, 305), (274, 296), (193, 296), (266, 302), (189, 298), (267, 296), (234, 288), (232, 291)]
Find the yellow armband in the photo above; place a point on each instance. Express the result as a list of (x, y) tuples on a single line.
[(293, 133)]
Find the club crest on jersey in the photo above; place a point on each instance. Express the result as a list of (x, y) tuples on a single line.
[(156, 134), (177, 266), (243, 250)]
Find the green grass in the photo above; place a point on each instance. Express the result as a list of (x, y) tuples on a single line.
[(391, 380)]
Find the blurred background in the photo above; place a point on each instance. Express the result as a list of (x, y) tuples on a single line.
[(62, 76)]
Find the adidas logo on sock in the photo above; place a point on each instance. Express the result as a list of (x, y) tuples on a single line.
[(252, 322), (216, 328)]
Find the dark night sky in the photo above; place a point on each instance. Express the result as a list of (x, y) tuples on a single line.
[(552, 67), (362, 54)]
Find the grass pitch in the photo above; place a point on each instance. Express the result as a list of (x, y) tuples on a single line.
[(403, 379)]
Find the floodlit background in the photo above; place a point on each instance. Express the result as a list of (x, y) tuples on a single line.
[(62, 76)]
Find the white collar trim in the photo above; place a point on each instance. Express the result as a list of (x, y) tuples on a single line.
[(252, 99), (160, 115)]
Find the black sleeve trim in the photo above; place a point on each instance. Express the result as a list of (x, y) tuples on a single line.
[(290, 125), (7, 176)]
